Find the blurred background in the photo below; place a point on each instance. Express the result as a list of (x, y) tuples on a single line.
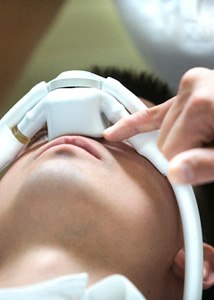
[(40, 39)]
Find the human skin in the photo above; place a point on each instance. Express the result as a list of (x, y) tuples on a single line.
[(80, 205), (186, 128)]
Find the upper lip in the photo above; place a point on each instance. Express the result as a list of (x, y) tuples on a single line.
[(84, 143)]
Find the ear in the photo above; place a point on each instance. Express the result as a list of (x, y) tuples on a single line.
[(178, 264), (208, 280), (208, 276)]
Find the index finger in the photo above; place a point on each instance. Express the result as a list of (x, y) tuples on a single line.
[(143, 121), (192, 128)]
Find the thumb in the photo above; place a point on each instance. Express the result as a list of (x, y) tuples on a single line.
[(142, 121), (195, 166)]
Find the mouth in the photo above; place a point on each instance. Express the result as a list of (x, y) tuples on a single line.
[(81, 142)]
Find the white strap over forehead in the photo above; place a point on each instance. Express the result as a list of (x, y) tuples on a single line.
[(79, 102)]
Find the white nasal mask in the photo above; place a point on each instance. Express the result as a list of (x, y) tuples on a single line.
[(79, 102)]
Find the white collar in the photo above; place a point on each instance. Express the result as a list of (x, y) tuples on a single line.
[(73, 287)]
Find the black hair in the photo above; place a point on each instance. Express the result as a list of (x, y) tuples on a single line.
[(147, 85), (142, 84)]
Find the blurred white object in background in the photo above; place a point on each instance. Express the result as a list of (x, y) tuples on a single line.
[(172, 35)]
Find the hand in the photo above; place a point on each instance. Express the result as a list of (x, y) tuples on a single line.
[(186, 124)]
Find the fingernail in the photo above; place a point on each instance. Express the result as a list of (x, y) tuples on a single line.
[(107, 131), (109, 134), (180, 172)]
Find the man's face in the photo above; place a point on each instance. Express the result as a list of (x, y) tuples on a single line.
[(102, 200)]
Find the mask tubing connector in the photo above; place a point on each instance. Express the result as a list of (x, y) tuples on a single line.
[(33, 121)]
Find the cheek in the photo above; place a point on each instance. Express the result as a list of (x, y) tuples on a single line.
[(14, 179), (145, 203), (10, 182)]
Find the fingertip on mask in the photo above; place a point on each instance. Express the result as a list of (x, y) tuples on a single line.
[(107, 133), (180, 172)]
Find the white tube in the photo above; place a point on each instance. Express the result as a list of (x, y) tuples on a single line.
[(145, 144), (75, 79), (11, 146), (131, 102), (18, 111), (192, 242), (33, 121)]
